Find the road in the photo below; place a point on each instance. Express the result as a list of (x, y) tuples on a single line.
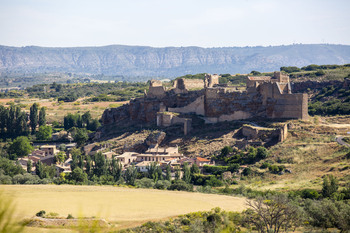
[(340, 141)]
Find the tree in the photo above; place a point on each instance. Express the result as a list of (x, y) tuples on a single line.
[(20, 146), (254, 72), (186, 173), (61, 156), (42, 117), (33, 116), (177, 173), (81, 137), (130, 175), (330, 186), (44, 132), (4, 114), (152, 171), (275, 214), (88, 165), (116, 169), (86, 118), (93, 125), (78, 175), (194, 169), (261, 153), (75, 155), (100, 164), (29, 166), (39, 170), (225, 151), (168, 173)]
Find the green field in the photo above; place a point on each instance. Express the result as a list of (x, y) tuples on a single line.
[(123, 206)]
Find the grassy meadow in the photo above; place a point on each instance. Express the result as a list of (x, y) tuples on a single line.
[(126, 207)]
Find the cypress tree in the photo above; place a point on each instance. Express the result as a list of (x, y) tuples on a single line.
[(29, 166), (33, 117), (42, 117), (11, 122), (168, 173)]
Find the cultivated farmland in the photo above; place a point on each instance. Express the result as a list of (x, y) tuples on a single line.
[(123, 206)]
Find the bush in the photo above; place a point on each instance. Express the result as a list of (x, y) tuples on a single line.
[(162, 184), (144, 183), (214, 182), (215, 170), (5, 179), (328, 214), (310, 194), (289, 69), (70, 216), (320, 73), (41, 213), (276, 169), (181, 185), (247, 171), (200, 179), (265, 165)]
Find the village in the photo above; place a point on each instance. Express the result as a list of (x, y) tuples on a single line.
[(161, 156)]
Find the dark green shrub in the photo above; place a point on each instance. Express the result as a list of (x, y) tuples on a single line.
[(214, 182), (41, 213), (310, 194), (265, 165), (180, 185), (247, 171)]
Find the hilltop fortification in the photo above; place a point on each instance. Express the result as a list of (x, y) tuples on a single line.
[(266, 97)]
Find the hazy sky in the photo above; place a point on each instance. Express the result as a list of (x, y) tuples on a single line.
[(160, 23)]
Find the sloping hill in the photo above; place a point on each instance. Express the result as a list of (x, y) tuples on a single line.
[(166, 62)]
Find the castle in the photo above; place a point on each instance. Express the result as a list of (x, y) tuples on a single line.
[(266, 97)]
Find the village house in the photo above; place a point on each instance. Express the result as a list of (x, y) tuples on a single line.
[(202, 161), (39, 153), (65, 168), (127, 158), (49, 150), (108, 155), (158, 154), (143, 166)]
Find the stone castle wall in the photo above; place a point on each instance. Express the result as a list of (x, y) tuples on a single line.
[(265, 97), (188, 84)]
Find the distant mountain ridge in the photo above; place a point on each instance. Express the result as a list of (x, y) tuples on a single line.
[(167, 61)]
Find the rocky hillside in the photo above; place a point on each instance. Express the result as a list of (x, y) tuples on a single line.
[(166, 62)]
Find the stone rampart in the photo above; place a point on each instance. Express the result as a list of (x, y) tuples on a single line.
[(262, 133), (188, 84), (196, 107)]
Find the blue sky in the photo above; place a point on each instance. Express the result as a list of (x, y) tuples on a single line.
[(161, 23)]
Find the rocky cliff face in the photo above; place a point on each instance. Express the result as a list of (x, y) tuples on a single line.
[(167, 62)]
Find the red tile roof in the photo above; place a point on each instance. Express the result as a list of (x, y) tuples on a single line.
[(202, 159)]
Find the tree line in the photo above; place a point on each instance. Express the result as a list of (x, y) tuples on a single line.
[(14, 122)]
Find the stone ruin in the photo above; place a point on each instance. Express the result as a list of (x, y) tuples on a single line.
[(265, 97)]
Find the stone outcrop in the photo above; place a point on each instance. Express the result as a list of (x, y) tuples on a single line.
[(267, 97)]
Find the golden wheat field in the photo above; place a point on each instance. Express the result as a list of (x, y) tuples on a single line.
[(114, 204)]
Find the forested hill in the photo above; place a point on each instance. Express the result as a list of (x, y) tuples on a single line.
[(168, 61)]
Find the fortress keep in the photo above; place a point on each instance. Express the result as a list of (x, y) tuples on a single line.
[(266, 97)]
